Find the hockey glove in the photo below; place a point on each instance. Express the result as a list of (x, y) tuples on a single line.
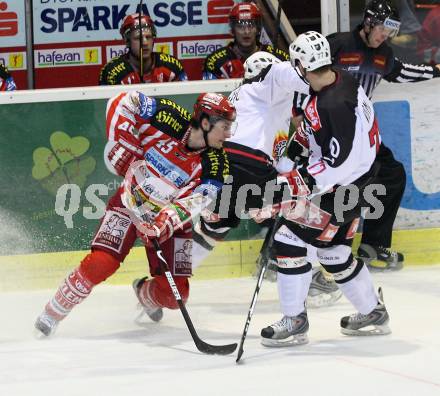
[(300, 136), (170, 219), (124, 152), (295, 182)]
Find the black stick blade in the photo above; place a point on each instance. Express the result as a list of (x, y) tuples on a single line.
[(215, 349)]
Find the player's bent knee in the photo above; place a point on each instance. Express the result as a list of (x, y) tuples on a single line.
[(345, 272), (164, 295), (98, 265), (293, 265)]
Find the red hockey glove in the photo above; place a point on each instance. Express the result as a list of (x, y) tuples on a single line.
[(125, 151), (233, 69), (297, 186), (300, 136), (168, 220)]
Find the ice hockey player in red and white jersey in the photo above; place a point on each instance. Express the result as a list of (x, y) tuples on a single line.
[(165, 154), (255, 151), (341, 133)]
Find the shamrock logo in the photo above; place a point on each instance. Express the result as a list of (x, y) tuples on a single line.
[(64, 163)]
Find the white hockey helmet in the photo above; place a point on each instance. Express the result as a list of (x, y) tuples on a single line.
[(257, 62), (311, 49)]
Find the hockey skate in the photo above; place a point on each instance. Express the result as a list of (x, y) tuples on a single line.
[(147, 306), (323, 292), (289, 331), (374, 323), (45, 325), (378, 258)]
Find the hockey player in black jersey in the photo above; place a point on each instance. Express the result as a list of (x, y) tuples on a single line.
[(365, 54), (342, 136)]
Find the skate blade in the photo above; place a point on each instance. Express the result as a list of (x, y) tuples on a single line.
[(39, 334), (323, 299), (368, 331), (383, 266), (297, 339)]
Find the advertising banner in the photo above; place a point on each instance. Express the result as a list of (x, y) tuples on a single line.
[(63, 30), (99, 20), (54, 183), (13, 39), (12, 26)]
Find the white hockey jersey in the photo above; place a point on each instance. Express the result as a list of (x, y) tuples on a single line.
[(264, 108)]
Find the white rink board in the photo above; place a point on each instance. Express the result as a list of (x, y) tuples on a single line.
[(424, 101)]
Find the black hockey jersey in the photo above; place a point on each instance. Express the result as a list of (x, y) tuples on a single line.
[(370, 65), (342, 131), (118, 71)]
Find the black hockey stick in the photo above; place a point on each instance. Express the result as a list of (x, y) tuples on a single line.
[(201, 345), (263, 260), (141, 43)]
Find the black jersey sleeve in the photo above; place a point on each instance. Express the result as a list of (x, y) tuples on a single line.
[(407, 72)]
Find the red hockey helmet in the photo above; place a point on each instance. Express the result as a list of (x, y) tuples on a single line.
[(213, 105), (131, 23), (245, 13)]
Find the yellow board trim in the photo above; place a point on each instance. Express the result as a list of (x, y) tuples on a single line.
[(228, 260)]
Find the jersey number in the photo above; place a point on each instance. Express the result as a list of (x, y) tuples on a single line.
[(374, 136), (166, 146)]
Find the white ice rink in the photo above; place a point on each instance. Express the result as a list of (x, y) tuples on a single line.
[(99, 350)]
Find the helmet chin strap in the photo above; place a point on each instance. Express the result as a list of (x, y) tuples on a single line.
[(205, 134)]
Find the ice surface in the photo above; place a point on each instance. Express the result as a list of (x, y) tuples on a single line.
[(99, 350)]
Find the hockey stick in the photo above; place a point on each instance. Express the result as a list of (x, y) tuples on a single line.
[(263, 260), (141, 43), (201, 345)]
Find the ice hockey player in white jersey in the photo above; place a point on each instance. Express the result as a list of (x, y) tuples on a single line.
[(342, 135), (264, 104)]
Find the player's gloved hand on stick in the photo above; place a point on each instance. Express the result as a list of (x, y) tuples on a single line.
[(170, 219), (124, 152), (300, 136), (295, 182)]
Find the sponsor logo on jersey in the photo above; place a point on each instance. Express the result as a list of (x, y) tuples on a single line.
[(182, 256), (62, 57), (112, 231), (166, 168), (312, 115), (379, 61), (279, 144), (351, 58), (210, 65)]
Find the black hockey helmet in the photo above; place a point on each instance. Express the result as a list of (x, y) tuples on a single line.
[(381, 12)]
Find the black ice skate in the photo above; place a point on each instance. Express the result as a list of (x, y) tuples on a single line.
[(374, 323), (379, 258), (322, 292), (154, 312), (45, 325), (289, 331)]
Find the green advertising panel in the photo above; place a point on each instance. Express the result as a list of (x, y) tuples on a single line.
[(54, 183)]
